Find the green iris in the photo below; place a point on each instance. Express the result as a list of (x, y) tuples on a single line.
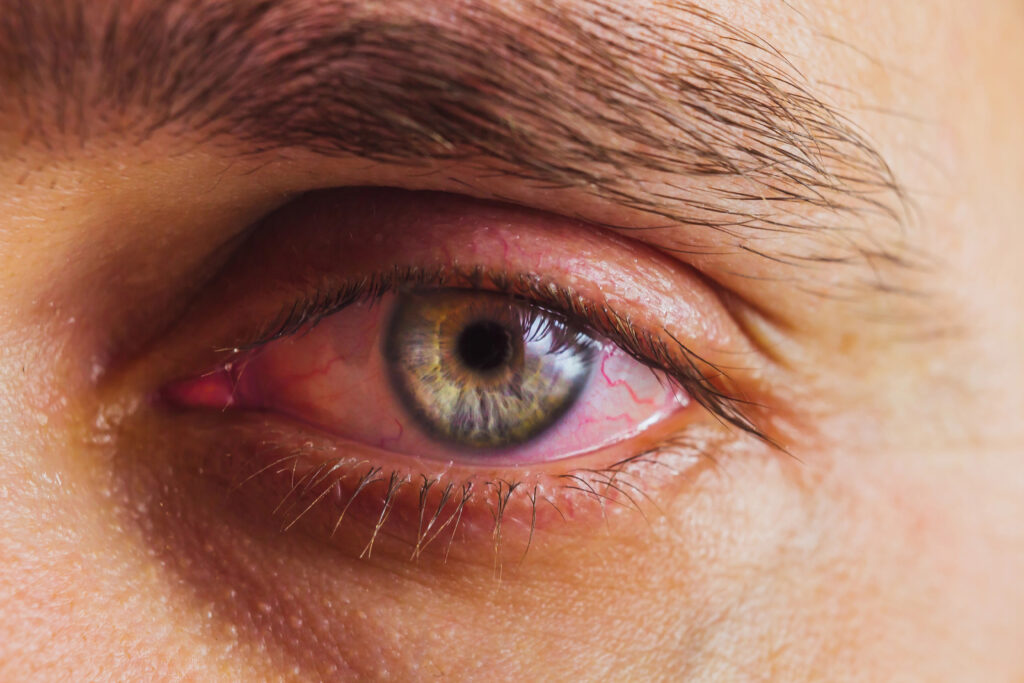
[(484, 370)]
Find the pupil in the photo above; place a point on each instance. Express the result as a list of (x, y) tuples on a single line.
[(484, 346)]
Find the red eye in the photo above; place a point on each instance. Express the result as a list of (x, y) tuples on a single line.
[(452, 375), (421, 366)]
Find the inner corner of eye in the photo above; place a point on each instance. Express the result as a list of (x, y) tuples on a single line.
[(448, 374)]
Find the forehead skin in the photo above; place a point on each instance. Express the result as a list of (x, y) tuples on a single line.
[(895, 555)]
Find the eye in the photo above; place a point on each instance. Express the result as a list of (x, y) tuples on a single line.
[(419, 366), (449, 374)]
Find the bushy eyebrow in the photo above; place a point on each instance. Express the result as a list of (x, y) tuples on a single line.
[(693, 121)]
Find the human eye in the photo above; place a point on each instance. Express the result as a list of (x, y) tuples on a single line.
[(457, 375), (427, 368)]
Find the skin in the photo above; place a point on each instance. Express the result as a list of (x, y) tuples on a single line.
[(887, 545)]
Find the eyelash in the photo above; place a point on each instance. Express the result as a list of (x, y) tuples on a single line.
[(677, 362)]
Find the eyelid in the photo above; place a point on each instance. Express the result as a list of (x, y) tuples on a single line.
[(326, 241), (326, 248)]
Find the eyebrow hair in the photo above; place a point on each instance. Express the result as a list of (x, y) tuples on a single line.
[(694, 121)]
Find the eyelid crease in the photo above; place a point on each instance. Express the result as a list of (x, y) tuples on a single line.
[(697, 376)]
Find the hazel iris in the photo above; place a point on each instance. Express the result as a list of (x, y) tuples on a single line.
[(481, 370)]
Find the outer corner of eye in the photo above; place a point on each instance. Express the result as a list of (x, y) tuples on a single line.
[(469, 377)]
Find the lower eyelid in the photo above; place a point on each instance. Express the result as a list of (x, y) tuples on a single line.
[(303, 480)]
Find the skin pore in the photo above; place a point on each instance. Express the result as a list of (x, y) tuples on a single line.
[(820, 199)]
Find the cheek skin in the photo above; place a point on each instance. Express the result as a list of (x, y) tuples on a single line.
[(764, 566)]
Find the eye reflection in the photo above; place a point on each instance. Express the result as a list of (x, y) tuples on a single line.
[(484, 371)]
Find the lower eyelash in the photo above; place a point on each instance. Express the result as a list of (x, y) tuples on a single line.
[(430, 515)]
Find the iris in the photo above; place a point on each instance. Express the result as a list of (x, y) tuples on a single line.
[(484, 371)]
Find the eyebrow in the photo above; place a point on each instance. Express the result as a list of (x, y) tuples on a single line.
[(693, 121)]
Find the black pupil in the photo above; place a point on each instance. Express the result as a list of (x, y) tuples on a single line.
[(484, 346)]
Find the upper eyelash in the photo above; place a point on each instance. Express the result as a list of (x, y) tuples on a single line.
[(668, 355)]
